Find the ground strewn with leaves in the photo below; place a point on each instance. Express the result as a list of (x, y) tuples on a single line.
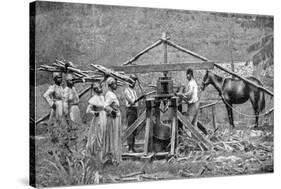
[(236, 152)]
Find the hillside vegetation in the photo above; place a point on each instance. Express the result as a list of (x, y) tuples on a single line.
[(110, 35)]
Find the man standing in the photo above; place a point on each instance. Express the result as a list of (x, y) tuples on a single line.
[(131, 111), (191, 97), (54, 97), (71, 100)]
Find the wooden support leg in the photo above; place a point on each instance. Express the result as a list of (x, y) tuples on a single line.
[(196, 134), (214, 117), (137, 124), (148, 134), (174, 126)]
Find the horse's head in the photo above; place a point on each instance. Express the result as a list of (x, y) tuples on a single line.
[(206, 80)]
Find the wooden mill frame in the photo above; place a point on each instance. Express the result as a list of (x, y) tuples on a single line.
[(151, 104)]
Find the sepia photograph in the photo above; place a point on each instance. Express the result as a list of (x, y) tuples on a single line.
[(124, 94)]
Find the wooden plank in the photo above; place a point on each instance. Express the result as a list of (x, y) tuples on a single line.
[(245, 80), (163, 67), (48, 114), (158, 42), (194, 131), (134, 126)]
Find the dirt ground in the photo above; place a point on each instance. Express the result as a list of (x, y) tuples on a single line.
[(239, 151)]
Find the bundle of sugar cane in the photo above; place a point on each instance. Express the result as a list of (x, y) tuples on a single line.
[(49, 68), (87, 79), (69, 66), (117, 75)]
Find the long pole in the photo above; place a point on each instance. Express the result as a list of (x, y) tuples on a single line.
[(245, 80)]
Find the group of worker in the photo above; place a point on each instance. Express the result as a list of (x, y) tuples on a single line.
[(104, 134)]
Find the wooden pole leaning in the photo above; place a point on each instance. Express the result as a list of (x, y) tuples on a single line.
[(174, 134), (148, 127), (245, 80)]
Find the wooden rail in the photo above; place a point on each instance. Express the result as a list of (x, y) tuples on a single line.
[(162, 67)]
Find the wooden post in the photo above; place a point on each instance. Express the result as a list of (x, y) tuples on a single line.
[(196, 134), (165, 55), (148, 134), (174, 134), (214, 117)]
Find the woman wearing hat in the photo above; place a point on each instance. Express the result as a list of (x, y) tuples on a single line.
[(96, 136), (71, 100), (54, 97), (113, 146)]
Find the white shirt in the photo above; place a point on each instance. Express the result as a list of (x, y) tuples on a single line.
[(132, 95), (192, 91), (53, 94)]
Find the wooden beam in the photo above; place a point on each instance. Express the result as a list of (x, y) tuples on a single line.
[(194, 131), (163, 67), (134, 126), (185, 50), (158, 42), (245, 80)]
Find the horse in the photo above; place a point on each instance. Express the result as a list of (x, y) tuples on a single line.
[(235, 91)]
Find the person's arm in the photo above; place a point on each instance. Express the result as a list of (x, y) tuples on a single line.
[(129, 97), (191, 89), (107, 103), (90, 109), (47, 97)]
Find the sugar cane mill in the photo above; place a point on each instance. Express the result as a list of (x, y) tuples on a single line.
[(160, 139)]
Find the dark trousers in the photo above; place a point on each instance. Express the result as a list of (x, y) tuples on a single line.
[(132, 115)]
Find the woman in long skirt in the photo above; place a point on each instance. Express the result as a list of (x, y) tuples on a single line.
[(96, 137), (113, 146)]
